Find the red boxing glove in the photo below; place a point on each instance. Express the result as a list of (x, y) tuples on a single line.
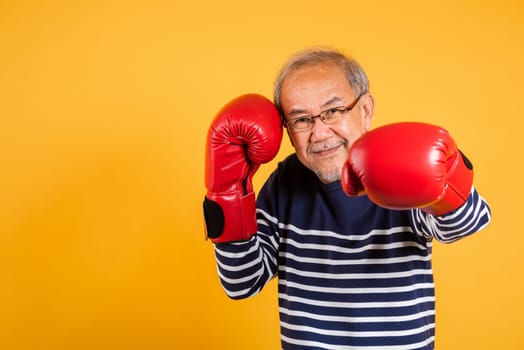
[(409, 165), (244, 134)]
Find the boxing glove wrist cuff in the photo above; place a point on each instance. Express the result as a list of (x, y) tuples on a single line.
[(230, 217), (458, 187)]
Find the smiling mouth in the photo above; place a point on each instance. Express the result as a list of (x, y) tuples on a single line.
[(326, 149)]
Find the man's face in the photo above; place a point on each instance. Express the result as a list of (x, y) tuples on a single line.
[(310, 91)]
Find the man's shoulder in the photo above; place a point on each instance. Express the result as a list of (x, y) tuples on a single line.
[(289, 177), (292, 171)]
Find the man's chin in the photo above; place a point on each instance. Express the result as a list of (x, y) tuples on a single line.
[(328, 170), (328, 176)]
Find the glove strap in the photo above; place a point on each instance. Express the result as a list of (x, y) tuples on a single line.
[(230, 217)]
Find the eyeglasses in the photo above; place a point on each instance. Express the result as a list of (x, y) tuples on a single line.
[(329, 116)]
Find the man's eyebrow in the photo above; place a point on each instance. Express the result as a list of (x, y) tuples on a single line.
[(331, 100), (297, 111)]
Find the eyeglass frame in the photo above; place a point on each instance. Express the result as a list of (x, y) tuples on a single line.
[(321, 116)]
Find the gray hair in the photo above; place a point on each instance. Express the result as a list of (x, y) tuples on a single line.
[(355, 75)]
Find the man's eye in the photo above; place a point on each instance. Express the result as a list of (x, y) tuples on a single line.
[(302, 120), (332, 113)]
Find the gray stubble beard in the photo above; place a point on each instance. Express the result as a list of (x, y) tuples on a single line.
[(328, 176)]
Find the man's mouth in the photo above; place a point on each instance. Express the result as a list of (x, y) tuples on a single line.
[(325, 148)]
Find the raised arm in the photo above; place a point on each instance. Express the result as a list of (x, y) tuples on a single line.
[(245, 133), (418, 166)]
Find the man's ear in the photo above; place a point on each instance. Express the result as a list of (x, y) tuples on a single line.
[(367, 109)]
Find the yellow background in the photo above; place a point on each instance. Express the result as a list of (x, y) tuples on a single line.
[(104, 109)]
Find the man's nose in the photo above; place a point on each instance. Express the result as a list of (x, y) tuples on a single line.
[(319, 130)]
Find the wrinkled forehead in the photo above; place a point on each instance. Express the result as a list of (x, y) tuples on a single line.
[(312, 87)]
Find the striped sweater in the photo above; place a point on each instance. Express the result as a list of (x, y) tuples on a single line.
[(351, 275)]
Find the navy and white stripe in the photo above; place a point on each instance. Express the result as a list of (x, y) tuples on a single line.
[(351, 275)]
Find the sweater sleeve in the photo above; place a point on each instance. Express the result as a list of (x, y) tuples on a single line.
[(244, 268), (473, 216)]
